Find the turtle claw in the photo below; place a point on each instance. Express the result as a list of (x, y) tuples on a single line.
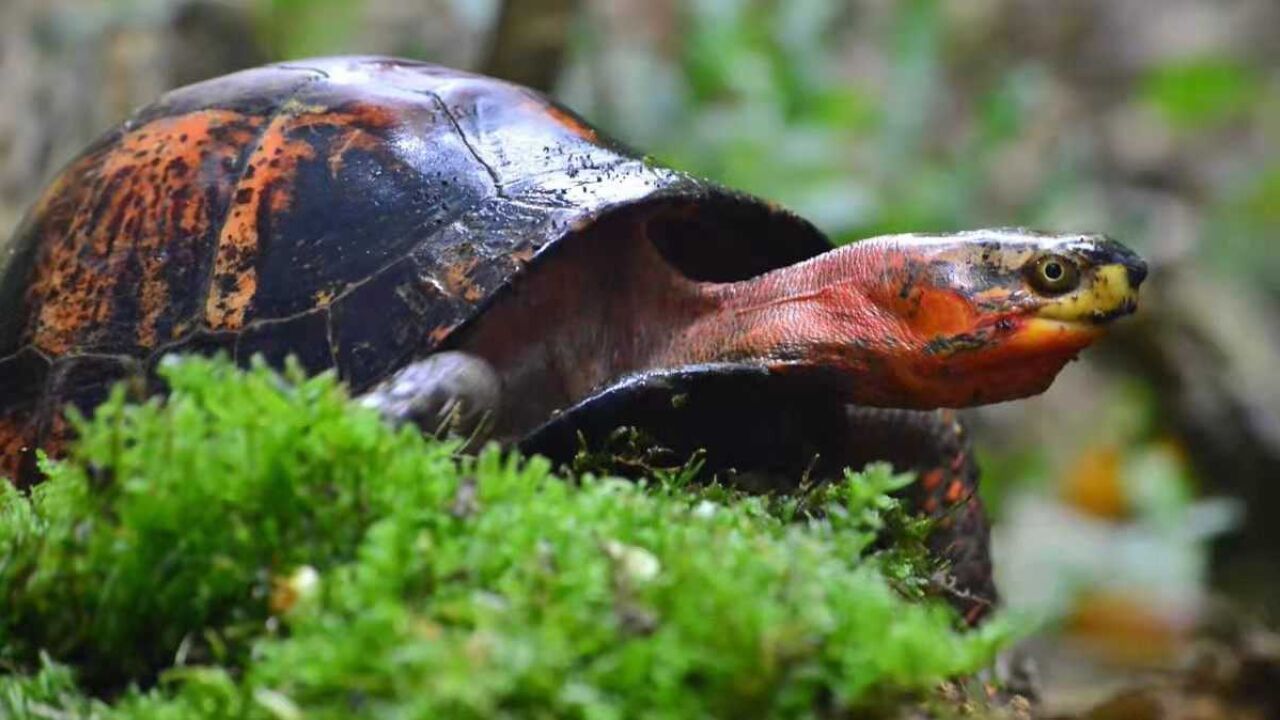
[(446, 394)]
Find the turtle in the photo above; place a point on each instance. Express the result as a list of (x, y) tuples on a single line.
[(457, 247)]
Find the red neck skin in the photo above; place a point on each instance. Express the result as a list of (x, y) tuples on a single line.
[(817, 311), (868, 318)]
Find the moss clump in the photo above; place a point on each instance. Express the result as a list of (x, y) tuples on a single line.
[(262, 548)]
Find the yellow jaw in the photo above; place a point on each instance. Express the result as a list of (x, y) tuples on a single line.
[(1107, 294), (1077, 318)]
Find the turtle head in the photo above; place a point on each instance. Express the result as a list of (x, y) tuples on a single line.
[(990, 315)]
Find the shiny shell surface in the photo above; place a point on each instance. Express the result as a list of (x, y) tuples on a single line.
[(352, 212)]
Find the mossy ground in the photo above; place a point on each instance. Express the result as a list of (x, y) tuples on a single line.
[(257, 546)]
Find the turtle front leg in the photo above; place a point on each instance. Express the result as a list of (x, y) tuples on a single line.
[(935, 446), (448, 393)]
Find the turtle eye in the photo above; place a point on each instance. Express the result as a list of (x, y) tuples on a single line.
[(1054, 275)]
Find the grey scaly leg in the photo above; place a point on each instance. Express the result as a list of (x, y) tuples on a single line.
[(450, 392)]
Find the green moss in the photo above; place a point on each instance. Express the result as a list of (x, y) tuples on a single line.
[(262, 548)]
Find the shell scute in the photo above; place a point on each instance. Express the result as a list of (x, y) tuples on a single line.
[(340, 189), (306, 337), (381, 323), (121, 259)]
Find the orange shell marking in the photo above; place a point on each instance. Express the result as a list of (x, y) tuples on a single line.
[(130, 203), (265, 190)]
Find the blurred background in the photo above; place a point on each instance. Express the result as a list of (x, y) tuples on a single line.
[(1136, 502)]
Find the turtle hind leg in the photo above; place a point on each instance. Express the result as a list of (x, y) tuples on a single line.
[(935, 446), (448, 393)]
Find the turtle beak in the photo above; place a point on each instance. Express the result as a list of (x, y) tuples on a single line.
[(1113, 253), (1137, 272), (1117, 277)]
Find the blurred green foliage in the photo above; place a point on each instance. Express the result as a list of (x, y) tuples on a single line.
[(1199, 94), (290, 29), (1242, 226), (762, 104)]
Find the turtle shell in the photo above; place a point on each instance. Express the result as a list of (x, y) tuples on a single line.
[(352, 212)]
